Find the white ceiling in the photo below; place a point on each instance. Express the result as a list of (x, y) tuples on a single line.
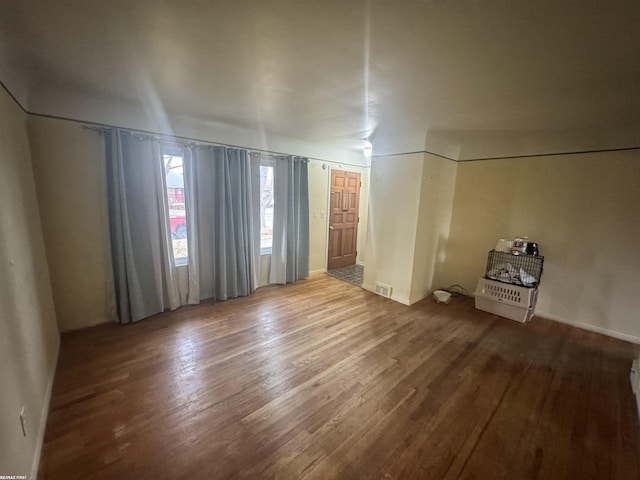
[(464, 79)]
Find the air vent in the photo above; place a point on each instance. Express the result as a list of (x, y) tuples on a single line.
[(383, 289)]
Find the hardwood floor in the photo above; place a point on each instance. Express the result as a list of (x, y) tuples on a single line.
[(324, 380)]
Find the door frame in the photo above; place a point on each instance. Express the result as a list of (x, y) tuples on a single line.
[(343, 168)]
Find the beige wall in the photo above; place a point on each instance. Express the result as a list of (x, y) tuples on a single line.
[(394, 200), (69, 168), (583, 209), (410, 203), (434, 221), (319, 179), (29, 338), (153, 117)]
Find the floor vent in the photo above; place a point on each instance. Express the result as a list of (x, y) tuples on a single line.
[(383, 289)]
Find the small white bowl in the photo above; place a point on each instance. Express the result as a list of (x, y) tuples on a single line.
[(441, 296)]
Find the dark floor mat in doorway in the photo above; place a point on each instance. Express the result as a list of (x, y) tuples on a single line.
[(350, 273)]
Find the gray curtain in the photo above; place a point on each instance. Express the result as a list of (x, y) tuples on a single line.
[(193, 244), (290, 250), (143, 266), (222, 184)]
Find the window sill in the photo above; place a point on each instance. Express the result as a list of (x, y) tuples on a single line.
[(181, 262)]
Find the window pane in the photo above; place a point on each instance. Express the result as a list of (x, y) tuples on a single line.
[(177, 212), (266, 208)]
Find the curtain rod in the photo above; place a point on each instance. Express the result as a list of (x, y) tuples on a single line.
[(186, 141)]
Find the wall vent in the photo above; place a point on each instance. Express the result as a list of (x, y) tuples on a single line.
[(383, 289)]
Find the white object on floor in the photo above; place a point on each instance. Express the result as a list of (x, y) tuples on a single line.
[(509, 301), (441, 296)]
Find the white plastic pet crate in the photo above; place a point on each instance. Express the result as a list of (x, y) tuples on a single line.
[(510, 301)]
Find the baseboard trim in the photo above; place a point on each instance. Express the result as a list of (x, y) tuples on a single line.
[(368, 287), (592, 328), (44, 415), (419, 298), (403, 300), (316, 272), (587, 326)]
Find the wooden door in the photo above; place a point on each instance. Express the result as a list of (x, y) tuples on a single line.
[(343, 218)]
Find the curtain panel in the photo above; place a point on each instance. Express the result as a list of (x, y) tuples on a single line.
[(290, 250), (222, 182), (222, 204), (143, 267)]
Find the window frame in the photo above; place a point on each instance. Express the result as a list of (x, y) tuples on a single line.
[(175, 150), (266, 161)]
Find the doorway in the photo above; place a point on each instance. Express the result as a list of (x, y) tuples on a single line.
[(344, 205)]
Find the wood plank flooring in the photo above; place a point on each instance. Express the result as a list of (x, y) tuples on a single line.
[(323, 380)]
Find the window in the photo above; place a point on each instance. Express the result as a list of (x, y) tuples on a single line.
[(176, 200), (266, 206)]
